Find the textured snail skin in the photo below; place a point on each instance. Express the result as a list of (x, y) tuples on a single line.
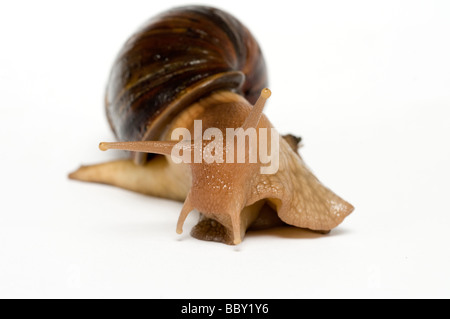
[(147, 100)]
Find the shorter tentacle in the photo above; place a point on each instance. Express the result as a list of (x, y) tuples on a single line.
[(187, 208)]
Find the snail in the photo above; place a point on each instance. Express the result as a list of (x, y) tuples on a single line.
[(192, 65)]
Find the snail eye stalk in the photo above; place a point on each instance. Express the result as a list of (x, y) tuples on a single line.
[(253, 118), (157, 147)]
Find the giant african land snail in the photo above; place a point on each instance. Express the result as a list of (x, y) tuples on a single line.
[(200, 63)]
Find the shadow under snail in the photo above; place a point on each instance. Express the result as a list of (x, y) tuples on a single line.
[(199, 63)]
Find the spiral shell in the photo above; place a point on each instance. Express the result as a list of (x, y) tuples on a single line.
[(175, 59)]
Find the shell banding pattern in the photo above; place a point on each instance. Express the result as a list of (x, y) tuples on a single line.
[(175, 59)]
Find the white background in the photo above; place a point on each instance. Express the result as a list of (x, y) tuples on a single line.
[(365, 83)]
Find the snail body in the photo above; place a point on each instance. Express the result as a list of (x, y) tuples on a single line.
[(195, 64)]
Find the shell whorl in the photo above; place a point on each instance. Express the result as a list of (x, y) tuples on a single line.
[(175, 59)]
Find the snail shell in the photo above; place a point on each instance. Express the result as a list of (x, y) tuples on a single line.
[(175, 59)]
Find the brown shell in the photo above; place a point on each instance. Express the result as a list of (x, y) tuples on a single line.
[(176, 58)]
